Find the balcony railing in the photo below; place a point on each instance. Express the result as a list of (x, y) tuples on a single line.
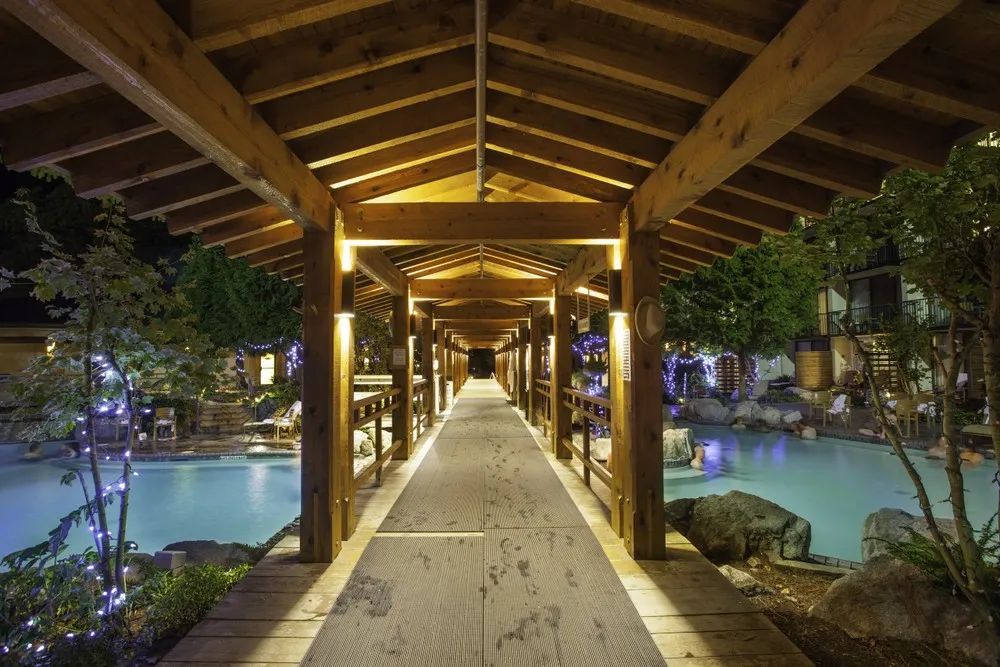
[(874, 319)]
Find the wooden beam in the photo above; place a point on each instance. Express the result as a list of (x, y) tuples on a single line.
[(778, 190), (481, 311), (536, 172), (261, 220), (213, 212), (332, 52), (287, 249), (382, 90), (476, 288), (700, 257), (263, 240), (824, 48), (694, 239), (34, 71), (584, 266), (186, 188), (380, 268), (217, 24), (395, 181), (117, 40), (745, 211), (490, 326), (714, 225), (554, 222), (131, 163)]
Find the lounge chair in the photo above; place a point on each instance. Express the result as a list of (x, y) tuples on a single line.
[(165, 419), (288, 421), (906, 414), (839, 408)]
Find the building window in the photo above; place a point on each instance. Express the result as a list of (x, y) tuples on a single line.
[(267, 369)]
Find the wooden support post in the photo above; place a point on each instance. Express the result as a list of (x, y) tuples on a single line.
[(343, 377), (522, 375), (402, 376), (534, 366), (562, 418), (321, 512), (427, 366), (637, 405), (442, 365)]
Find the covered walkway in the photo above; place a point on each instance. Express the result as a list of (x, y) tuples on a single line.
[(483, 548), (484, 559)]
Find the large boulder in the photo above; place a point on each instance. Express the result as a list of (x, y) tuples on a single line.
[(887, 598), (738, 525), (891, 524), (210, 551), (746, 584), (706, 410)]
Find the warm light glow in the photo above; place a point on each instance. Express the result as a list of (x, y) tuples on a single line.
[(616, 256), (50, 347), (344, 316), (346, 257), (267, 369)]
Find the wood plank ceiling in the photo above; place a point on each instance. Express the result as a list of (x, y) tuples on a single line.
[(584, 99)]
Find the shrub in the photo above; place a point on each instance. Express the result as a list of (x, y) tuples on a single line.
[(174, 603)]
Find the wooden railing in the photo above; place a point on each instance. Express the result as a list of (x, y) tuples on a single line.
[(592, 409), (543, 406), (366, 411), (421, 405)]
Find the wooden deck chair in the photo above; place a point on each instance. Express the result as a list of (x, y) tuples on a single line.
[(906, 414), (839, 408), (819, 403)]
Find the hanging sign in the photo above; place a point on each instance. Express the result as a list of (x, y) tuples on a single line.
[(583, 325), (398, 357)]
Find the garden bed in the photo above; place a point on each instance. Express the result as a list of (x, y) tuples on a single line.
[(824, 643)]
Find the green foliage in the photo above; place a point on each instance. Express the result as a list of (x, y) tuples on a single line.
[(751, 304), (922, 552), (372, 340), (173, 603), (946, 224), (236, 304)]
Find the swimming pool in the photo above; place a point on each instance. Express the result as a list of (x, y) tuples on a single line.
[(833, 483), (228, 501)]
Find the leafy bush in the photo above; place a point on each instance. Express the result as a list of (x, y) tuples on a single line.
[(174, 603)]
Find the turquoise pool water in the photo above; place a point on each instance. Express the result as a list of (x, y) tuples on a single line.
[(833, 483), (228, 501)]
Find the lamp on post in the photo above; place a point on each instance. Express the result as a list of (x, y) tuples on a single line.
[(347, 295), (615, 306)]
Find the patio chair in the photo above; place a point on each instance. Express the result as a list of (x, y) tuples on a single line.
[(927, 407), (906, 414), (288, 421), (839, 408), (819, 402), (164, 419)]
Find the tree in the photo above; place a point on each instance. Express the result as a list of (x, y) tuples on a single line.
[(751, 304), (125, 338), (236, 304), (373, 338)]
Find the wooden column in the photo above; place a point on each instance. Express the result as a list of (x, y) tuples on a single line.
[(427, 366), (534, 365), (402, 377), (522, 363), (442, 395), (562, 420), (321, 511), (637, 405), (343, 375), (449, 365)]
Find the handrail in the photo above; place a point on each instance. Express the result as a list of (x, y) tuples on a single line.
[(592, 409), (544, 406)]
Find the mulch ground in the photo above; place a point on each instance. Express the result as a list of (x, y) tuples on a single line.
[(824, 643)]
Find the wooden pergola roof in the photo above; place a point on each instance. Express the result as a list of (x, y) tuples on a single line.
[(719, 119)]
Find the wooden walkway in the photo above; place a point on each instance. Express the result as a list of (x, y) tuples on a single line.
[(693, 614)]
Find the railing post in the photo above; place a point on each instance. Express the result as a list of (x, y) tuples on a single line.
[(402, 376), (378, 446), (534, 366), (586, 449), (427, 365), (562, 421)]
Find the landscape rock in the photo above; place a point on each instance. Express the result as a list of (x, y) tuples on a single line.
[(744, 582), (739, 427), (706, 410), (738, 525), (744, 410), (210, 551), (890, 524), (791, 417), (808, 433), (772, 417), (887, 598), (600, 449), (678, 443)]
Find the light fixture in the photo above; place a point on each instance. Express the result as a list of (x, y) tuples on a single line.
[(347, 295), (413, 325), (615, 306)]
